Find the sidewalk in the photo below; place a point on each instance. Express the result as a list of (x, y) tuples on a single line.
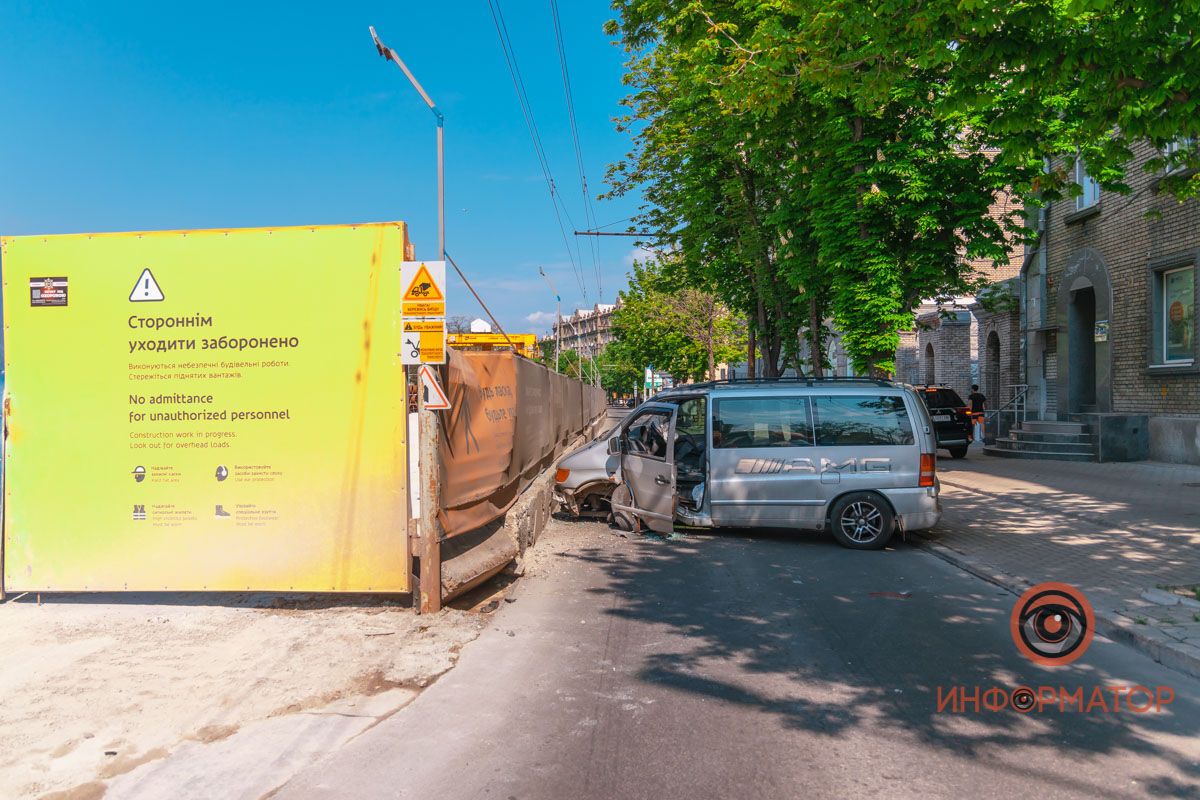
[(1116, 531)]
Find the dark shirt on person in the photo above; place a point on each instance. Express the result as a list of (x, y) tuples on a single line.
[(977, 401)]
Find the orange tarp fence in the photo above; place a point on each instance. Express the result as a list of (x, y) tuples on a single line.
[(510, 418)]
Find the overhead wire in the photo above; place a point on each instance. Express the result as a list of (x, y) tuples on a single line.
[(589, 210), (560, 208)]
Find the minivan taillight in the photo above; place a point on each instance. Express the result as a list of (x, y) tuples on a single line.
[(928, 469)]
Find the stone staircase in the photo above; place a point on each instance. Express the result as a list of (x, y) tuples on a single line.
[(1052, 441)]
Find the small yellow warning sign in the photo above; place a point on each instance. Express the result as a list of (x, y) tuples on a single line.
[(423, 342), (424, 296)]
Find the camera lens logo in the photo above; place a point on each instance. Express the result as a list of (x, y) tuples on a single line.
[(1052, 624)]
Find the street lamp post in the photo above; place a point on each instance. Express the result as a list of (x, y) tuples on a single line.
[(427, 589), (390, 54), (557, 315)]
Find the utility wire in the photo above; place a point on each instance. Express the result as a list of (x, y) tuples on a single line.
[(589, 211), (514, 71)]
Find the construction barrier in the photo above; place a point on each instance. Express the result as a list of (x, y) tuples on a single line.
[(206, 410), (510, 419)]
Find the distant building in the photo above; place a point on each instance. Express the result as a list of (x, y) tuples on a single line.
[(943, 345), (588, 331)]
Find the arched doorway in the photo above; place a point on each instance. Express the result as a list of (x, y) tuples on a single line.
[(930, 376), (991, 370), (1081, 326), (1084, 354)]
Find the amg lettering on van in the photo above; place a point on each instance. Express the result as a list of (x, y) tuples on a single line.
[(769, 466)]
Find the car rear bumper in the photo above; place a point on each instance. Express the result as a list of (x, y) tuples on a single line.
[(916, 508)]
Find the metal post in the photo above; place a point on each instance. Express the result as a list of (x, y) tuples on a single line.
[(390, 55), (441, 147), (430, 543), (428, 589), (557, 316)]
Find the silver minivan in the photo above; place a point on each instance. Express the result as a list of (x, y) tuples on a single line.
[(854, 455)]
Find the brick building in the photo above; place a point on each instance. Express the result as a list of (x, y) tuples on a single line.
[(1109, 323), (948, 341), (587, 331)]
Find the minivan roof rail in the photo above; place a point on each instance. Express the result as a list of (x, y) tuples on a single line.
[(807, 381)]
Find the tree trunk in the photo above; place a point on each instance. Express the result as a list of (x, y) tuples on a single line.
[(712, 367), (816, 351), (751, 371)]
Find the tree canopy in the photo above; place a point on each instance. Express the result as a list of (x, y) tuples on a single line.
[(838, 160), (673, 327)]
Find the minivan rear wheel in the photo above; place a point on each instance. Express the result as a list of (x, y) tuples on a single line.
[(862, 521)]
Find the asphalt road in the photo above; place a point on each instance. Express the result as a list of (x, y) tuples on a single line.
[(757, 667)]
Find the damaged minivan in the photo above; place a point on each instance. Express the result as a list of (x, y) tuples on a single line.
[(856, 456)]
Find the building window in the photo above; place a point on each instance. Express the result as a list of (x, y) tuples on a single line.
[(1091, 189), (1171, 153), (1175, 316)]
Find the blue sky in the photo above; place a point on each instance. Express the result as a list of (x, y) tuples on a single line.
[(153, 115)]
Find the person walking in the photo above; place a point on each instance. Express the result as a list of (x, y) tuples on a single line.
[(978, 406)]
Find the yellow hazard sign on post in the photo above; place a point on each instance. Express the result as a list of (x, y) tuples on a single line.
[(206, 410), (423, 342), (425, 288)]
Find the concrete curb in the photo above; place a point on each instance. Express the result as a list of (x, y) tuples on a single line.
[(1154, 643)]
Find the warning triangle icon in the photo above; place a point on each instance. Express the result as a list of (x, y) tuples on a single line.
[(435, 397), (423, 287), (146, 289)]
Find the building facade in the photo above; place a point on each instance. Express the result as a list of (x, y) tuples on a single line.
[(1108, 314), (587, 331)]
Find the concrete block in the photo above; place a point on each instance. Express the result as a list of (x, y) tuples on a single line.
[(1119, 437), (1175, 440)]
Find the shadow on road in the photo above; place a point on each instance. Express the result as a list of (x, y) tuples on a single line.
[(785, 623)]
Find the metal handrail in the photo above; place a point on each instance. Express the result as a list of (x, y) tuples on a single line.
[(1016, 405)]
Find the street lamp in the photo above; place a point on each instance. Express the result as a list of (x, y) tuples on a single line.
[(390, 54), (557, 315)]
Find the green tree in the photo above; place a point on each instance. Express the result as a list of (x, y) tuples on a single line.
[(794, 190), (620, 369), (674, 327)]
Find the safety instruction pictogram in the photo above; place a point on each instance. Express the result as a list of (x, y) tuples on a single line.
[(432, 393), (423, 341), (146, 289), (425, 293)]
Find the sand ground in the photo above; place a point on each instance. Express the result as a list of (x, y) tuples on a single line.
[(93, 687)]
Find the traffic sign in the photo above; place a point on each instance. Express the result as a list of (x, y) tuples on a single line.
[(423, 341), (425, 288), (434, 396)]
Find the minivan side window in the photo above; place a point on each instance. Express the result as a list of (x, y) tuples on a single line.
[(691, 419), (761, 422), (647, 434), (846, 420)]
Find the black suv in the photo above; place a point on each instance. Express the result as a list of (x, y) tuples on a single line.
[(951, 418)]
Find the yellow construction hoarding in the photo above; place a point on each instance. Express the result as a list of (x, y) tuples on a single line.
[(205, 410)]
